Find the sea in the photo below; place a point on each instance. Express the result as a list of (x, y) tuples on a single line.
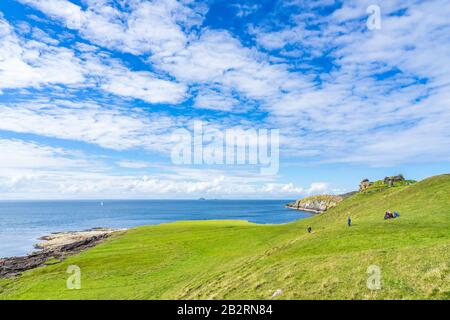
[(22, 222)]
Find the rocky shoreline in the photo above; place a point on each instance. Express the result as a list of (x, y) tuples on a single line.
[(317, 204), (290, 206), (54, 246)]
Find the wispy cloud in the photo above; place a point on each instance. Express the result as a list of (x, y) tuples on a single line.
[(29, 63), (60, 173), (109, 127)]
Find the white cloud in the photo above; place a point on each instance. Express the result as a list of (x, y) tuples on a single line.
[(83, 47), (213, 100), (17, 154), (244, 10), (355, 113), (291, 189), (142, 85), (65, 10), (218, 58), (29, 170), (132, 164), (155, 27), (143, 27), (109, 127), (29, 63), (32, 63), (350, 112)]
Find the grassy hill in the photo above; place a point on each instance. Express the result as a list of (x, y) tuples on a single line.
[(235, 259)]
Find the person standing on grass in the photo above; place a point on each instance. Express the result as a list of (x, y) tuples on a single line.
[(349, 221)]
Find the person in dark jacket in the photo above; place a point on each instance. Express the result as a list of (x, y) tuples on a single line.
[(388, 215)]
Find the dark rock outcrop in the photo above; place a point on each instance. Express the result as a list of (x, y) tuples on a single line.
[(390, 180)]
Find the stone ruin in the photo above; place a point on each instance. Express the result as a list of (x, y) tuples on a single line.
[(389, 181)]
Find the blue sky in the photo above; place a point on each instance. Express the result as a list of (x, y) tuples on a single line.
[(91, 92)]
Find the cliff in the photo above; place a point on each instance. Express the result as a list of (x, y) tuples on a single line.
[(316, 204)]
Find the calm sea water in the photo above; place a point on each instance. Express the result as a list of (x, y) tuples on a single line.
[(22, 222)]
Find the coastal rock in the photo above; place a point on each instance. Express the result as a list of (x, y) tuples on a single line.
[(62, 239), (57, 246), (316, 204)]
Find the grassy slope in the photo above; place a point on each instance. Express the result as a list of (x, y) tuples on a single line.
[(234, 259)]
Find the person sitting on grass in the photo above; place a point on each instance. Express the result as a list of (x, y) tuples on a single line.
[(309, 229), (387, 215), (396, 215)]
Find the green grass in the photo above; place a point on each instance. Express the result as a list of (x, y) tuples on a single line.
[(240, 260)]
